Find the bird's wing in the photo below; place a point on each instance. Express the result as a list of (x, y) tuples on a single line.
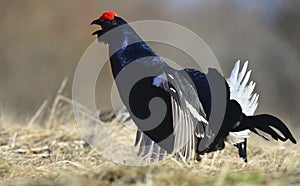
[(148, 149), (189, 118), (241, 90)]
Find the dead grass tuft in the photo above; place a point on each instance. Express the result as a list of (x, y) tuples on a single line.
[(57, 154)]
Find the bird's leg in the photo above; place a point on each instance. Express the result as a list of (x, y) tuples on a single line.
[(198, 157), (243, 150)]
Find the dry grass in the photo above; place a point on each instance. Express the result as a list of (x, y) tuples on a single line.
[(56, 154)]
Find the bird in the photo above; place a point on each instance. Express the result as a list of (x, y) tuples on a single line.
[(183, 122)]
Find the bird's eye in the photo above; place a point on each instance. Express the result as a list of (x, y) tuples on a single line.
[(114, 22)]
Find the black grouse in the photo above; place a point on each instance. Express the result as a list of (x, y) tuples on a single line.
[(182, 122)]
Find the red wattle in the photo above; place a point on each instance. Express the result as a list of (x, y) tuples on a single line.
[(108, 15)]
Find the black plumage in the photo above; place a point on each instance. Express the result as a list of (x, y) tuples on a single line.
[(186, 93)]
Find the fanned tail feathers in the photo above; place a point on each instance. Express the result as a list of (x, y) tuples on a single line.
[(267, 123), (242, 91)]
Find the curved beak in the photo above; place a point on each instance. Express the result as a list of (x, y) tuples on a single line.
[(98, 33), (96, 22)]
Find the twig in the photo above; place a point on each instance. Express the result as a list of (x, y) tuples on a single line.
[(83, 110), (40, 149), (215, 154), (177, 162), (64, 162), (13, 140), (36, 135), (62, 86), (52, 123), (1, 112), (37, 114)]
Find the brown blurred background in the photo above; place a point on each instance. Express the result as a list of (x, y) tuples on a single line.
[(42, 42)]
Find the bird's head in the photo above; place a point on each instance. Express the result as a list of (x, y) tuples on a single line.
[(108, 21)]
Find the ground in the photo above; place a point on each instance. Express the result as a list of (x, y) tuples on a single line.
[(56, 154)]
